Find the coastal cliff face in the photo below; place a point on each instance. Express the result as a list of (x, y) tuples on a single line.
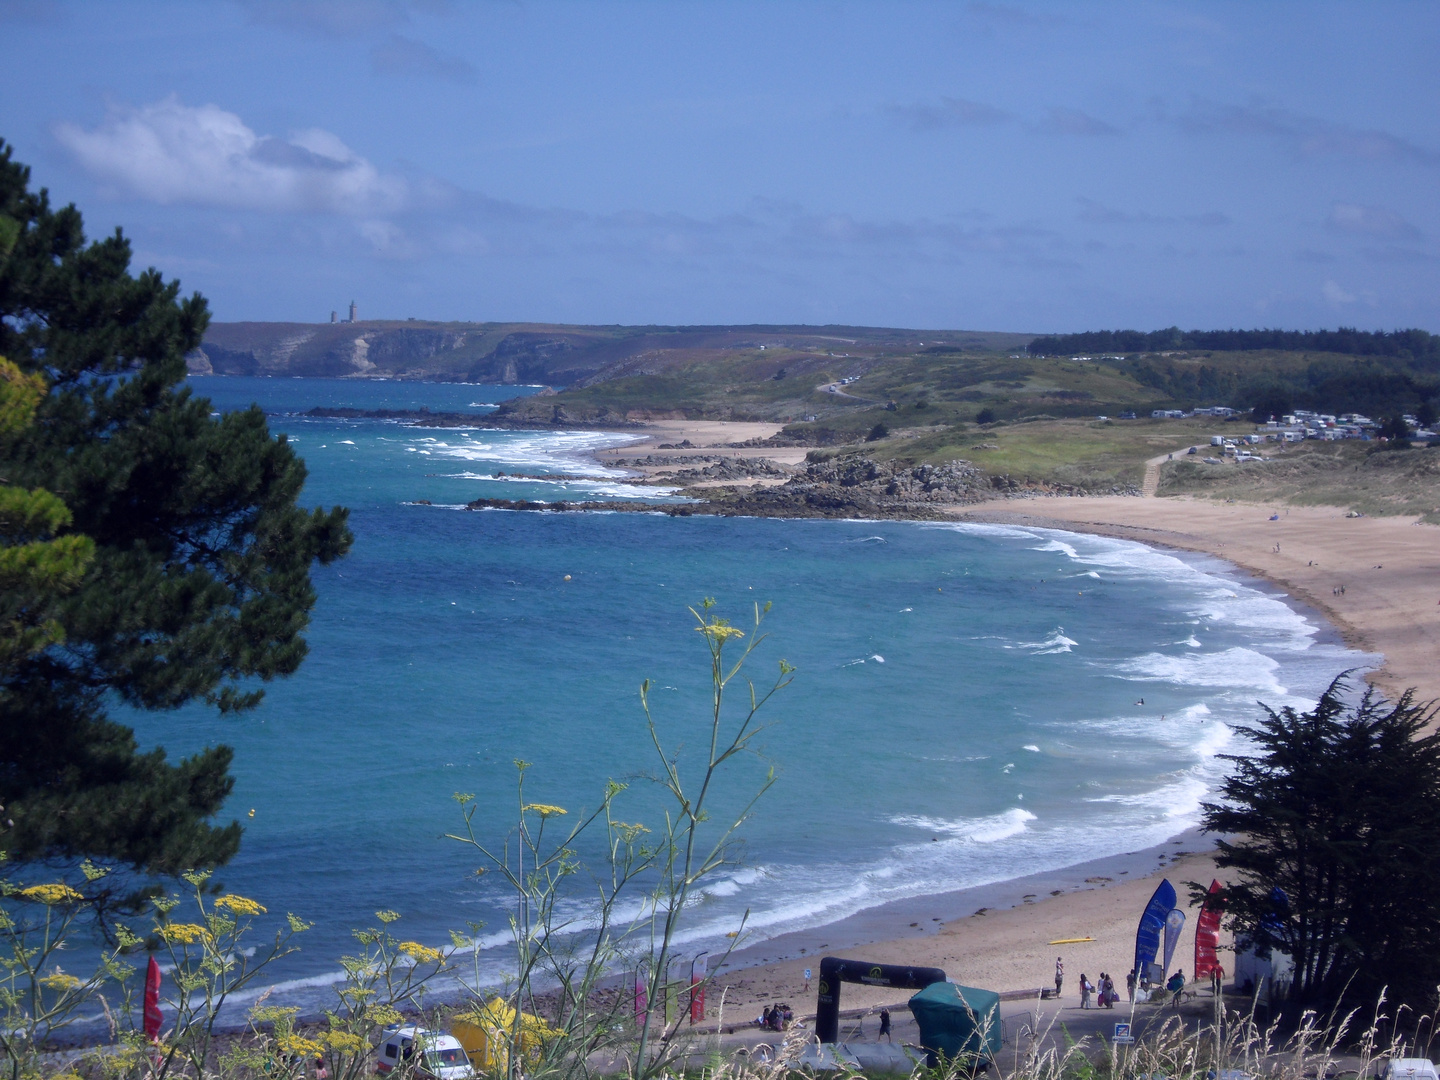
[(397, 350)]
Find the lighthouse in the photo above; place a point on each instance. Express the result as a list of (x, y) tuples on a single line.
[(352, 310)]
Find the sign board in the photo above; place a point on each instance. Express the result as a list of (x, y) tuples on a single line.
[(1122, 1035), (807, 974)]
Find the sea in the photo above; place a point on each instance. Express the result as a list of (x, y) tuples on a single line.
[(970, 703)]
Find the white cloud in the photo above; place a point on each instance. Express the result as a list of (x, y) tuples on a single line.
[(1332, 292), (169, 152), (1370, 221)]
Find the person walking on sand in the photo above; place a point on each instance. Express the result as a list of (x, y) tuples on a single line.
[(1084, 991), (884, 1026), (1176, 986), (1130, 986), (1059, 975)]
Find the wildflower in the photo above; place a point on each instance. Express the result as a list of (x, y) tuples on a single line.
[(238, 905), (545, 810), (57, 893), (59, 980), (183, 933), (344, 1042), (719, 631), (421, 954), (298, 1046), (387, 916), (383, 1014)]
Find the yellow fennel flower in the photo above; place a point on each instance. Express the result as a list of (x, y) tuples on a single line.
[(421, 954), (59, 980), (57, 893), (383, 1014), (544, 809), (238, 905), (298, 1046), (719, 630), (184, 933), (344, 1042)]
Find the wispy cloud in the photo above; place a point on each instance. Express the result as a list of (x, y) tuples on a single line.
[(169, 152), (398, 55), (1370, 221), (336, 18), (951, 112), (1306, 136), (1065, 121), (1333, 293), (1097, 213)]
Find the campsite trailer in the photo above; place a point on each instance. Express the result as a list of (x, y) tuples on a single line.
[(441, 1056)]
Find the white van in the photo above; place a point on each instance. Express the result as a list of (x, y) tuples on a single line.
[(1409, 1069), (441, 1056)]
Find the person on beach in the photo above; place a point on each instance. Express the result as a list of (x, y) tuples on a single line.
[(1059, 975), (1130, 986), (1107, 991), (1176, 986), (884, 1026), (1084, 991)]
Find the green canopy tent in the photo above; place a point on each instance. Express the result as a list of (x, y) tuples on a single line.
[(958, 1021)]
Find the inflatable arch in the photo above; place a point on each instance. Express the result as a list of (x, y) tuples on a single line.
[(834, 971)]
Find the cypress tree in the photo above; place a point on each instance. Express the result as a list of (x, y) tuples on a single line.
[(199, 584), (1339, 810)]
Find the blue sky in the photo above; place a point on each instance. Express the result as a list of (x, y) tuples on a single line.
[(997, 166)]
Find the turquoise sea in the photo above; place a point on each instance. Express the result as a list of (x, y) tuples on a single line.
[(966, 709)]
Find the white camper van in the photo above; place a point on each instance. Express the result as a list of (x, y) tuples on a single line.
[(441, 1057), (1409, 1069)]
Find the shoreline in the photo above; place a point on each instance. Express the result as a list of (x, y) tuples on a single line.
[(1386, 609)]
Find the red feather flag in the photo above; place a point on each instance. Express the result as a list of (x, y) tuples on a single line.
[(1207, 934), (152, 1001)]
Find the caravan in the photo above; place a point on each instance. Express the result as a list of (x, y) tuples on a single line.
[(441, 1057)]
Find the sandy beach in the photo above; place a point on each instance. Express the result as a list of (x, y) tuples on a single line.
[(1376, 579)]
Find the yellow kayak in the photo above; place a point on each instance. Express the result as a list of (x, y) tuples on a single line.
[(1071, 940)]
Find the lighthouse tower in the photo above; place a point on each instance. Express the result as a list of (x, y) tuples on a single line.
[(352, 310)]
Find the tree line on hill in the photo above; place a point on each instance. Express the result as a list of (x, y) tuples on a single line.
[(1416, 345), (1379, 374)]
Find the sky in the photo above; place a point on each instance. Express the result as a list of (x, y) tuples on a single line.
[(1030, 167)]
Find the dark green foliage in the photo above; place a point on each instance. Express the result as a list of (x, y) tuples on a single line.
[(1409, 344), (985, 416), (878, 432), (1394, 427), (1339, 808), (200, 582), (1356, 371)]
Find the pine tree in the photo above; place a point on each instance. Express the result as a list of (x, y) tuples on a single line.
[(199, 584), (1339, 810)]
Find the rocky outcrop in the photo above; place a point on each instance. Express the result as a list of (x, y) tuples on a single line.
[(850, 487)]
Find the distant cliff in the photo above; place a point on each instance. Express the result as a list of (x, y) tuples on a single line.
[(551, 355), (459, 352)]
